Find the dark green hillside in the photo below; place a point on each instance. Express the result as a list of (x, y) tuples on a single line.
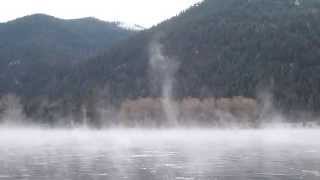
[(36, 51), (69, 40), (225, 48)]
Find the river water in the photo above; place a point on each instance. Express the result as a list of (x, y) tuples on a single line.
[(193, 154)]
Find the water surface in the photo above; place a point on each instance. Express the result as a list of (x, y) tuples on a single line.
[(82, 154)]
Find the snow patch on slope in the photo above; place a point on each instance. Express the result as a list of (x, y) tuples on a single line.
[(134, 27)]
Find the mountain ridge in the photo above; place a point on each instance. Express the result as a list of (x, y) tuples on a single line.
[(257, 49), (44, 44), (225, 48)]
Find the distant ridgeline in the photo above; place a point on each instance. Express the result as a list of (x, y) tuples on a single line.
[(37, 52), (234, 59)]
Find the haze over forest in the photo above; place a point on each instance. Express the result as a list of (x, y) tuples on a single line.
[(219, 63)]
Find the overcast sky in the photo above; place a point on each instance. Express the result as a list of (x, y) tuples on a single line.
[(142, 12)]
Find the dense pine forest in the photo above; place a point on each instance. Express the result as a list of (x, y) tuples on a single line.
[(39, 49), (230, 55)]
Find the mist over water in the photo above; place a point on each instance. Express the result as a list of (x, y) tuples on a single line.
[(163, 70), (160, 109), (278, 150), (159, 154), (85, 123)]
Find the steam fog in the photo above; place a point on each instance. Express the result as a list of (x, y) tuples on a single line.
[(236, 138), (225, 90), (163, 70), (159, 154), (163, 111)]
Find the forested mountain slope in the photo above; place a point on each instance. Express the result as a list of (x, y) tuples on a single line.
[(224, 48), (212, 53), (39, 49)]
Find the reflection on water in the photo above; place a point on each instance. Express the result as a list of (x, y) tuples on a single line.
[(159, 154)]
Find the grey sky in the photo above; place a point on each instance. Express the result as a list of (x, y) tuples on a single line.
[(142, 12)]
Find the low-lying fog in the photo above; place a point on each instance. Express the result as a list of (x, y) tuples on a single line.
[(138, 154)]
